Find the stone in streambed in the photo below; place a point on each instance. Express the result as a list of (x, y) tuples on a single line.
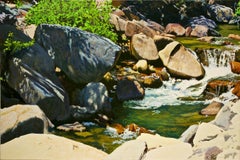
[(180, 62), (175, 29), (212, 109), (76, 127), (129, 90), (84, 57), (235, 67), (143, 47)]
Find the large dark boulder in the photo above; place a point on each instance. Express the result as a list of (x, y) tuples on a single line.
[(202, 20), (31, 73), (84, 57)]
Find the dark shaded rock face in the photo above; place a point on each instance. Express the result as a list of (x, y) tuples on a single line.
[(201, 20), (220, 13), (30, 72), (84, 57), (7, 15)]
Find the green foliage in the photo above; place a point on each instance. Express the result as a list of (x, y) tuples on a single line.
[(84, 14), (18, 3), (237, 12), (11, 46)]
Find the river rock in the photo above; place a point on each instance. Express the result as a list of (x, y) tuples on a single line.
[(199, 31), (178, 151), (188, 135), (84, 57), (236, 89), (203, 136), (203, 21), (129, 90), (136, 27), (220, 13), (152, 82), (212, 109), (161, 41), (141, 65), (155, 141), (93, 97), (118, 22), (175, 29), (217, 87), (235, 67), (31, 73), (47, 146), (130, 150), (18, 120), (76, 127), (234, 36), (143, 47), (180, 62)]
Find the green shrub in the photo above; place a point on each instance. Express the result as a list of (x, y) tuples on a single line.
[(237, 12), (84, 14), (11, 46)]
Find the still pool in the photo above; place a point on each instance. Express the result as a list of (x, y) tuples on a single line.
[(170, 121)]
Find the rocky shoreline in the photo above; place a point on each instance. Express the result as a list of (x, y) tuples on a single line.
[(71, 75)]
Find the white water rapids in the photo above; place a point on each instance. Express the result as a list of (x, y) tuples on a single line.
[(170, 92)]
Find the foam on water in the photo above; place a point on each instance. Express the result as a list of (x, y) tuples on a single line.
[(172, 90)]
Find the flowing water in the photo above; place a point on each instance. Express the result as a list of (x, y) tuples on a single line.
[(168, 110)]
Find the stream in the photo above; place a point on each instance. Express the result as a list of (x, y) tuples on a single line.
[(168, 110)]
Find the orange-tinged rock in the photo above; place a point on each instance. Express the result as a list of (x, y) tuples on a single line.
[(235, 67), (236, 89)]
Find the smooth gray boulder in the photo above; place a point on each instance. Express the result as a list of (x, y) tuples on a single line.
[(31, 73), (84, 57)]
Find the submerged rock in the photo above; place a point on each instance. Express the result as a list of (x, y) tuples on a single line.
[(84, 57), (19, 120), (180, 62), (76, 127)]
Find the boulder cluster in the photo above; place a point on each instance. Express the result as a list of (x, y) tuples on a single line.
[(71, 75)]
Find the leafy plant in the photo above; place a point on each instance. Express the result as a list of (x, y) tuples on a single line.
[(84, 14), (237, 12), (12, 46)]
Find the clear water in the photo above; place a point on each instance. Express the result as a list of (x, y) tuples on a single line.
[(163, 110)]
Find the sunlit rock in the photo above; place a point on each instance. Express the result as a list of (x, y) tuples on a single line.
[(180, 62), (179, 151), (18, 120), (143, 47), (175, 29), (212, 109), (48, 146), (130, 150)]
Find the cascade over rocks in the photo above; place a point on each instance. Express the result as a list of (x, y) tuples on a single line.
[(180, 62), (31, 73), (84, 57), (18, 120)]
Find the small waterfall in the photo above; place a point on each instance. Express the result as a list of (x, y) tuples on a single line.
[(216, 63), (217, 57)]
